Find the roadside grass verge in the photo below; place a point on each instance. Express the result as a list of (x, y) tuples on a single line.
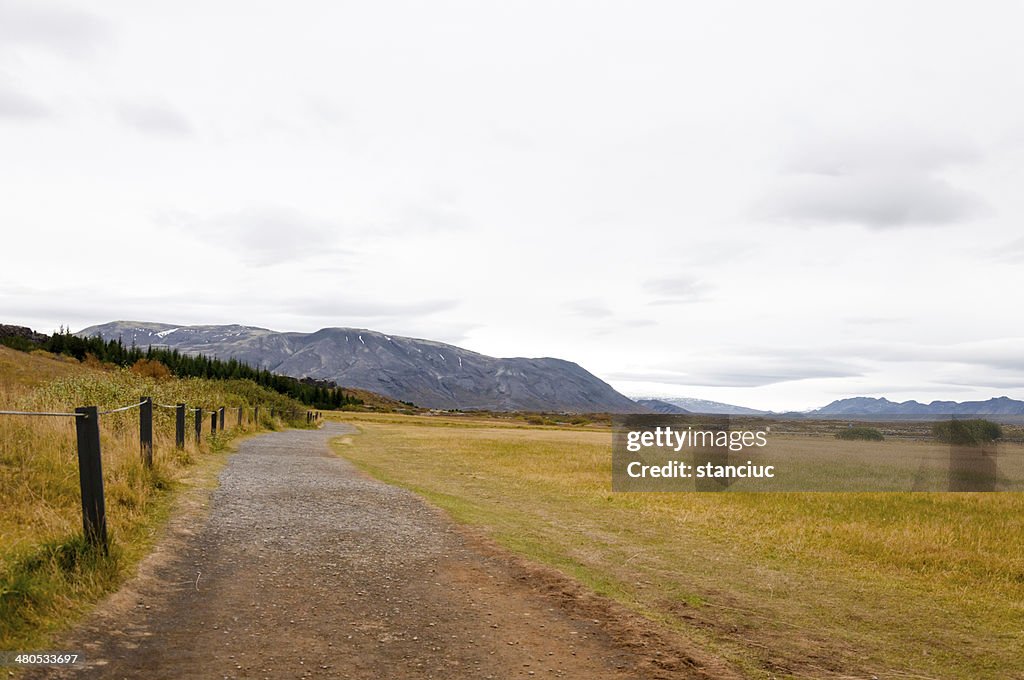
[(48, 575), (802, 585)]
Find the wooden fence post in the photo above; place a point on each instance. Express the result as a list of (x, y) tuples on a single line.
[(256, 415), (146, 431), (221, 411), (239, 416), (199, 423), (90, 476), (179, 426), (213, 423)]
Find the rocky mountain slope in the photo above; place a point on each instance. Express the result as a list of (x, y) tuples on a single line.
[(426, 373)]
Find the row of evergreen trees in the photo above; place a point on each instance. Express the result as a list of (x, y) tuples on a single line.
[(318, 394)]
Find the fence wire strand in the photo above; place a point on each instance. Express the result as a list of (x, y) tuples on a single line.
[(123, 408), (131, 406), (41, 413)]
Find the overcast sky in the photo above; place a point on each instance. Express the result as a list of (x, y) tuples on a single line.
[(771, 204)]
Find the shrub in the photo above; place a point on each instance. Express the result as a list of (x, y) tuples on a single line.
[(967, 432), (861, 433), (151, 368), (19, 343)]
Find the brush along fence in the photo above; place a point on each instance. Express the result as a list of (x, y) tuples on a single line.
[(90, 461)]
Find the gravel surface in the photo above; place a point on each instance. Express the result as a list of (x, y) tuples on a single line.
[(298, 565)]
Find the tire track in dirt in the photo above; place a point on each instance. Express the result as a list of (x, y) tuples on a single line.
[(300, 566)]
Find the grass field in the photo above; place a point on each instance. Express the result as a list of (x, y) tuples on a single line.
[(48, 575), (808, 585)]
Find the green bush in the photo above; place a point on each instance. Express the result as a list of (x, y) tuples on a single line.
[(19, 343), (862, 433), (967, 432)]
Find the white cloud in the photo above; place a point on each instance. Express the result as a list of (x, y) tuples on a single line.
[(156, 118), (70, 32), (19, 106), (881, 179), (630, 191), (260, 235), (677, 289)]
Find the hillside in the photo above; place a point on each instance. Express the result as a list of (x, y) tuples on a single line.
[(426, 373), (22, 369)]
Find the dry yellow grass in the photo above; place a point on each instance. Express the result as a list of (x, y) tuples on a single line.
[(47, 574), (19, 370), (926, 585)]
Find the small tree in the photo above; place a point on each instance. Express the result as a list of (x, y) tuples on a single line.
[(861, 433), (967, 432)]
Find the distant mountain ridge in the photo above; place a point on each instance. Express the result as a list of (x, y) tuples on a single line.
[(661, 406), (423, 372), (871, 406), (691, 405)]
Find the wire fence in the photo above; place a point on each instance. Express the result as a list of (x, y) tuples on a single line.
[(247, 409), (90, 466)]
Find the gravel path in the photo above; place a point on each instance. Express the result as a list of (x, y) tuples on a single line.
[(300, 566)]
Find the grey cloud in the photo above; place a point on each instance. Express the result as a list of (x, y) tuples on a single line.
[(326, 112), (1001, 353), (667, 377), (1009, 252), (867, 151), (590, 307), (453, 333), (84, 306), (100, 306), (746, 372), (358, 309), (886, 179), (156, 118), (613, 327), (437, 212), (18, 106), (768, 377), (677, 289), (989, 363), (69, 32), (998, 382), (264, 235), (877, 200), (874, 320)]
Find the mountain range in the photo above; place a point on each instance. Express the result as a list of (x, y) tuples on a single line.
[(423, 372), (882, 407), (442, 376)]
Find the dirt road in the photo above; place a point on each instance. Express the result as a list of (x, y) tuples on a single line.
[(298, 565)]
